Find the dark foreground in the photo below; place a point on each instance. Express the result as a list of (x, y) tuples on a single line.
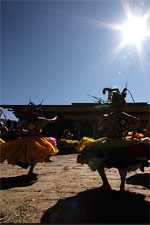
[(66, 192)]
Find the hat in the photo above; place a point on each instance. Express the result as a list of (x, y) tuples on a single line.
[(116, 97), (36, 108)]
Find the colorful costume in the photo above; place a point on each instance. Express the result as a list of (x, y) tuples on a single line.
[(1, 141), (28, 150), (116, 144), (32, 148), (115, 149)]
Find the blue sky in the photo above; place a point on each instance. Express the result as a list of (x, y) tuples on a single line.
[(60, 51)]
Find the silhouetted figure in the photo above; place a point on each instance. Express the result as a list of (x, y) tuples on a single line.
[(115, 149), (30, 147)]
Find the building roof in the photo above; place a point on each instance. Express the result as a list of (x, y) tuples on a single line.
[(85, 108)]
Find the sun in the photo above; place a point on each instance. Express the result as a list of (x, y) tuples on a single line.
[(134, 30)]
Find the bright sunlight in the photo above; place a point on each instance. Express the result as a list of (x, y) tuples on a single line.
[(135, 30)]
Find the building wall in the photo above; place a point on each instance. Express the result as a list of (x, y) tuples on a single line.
[(82, 118)]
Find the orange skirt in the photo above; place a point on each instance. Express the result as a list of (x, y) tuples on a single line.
[(27, 150)]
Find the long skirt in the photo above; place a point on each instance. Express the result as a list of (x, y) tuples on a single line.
[(25, 151), (108, 152)]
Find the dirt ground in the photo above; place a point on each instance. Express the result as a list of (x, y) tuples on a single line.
[(67, 192)]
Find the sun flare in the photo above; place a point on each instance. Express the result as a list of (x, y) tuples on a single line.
[(135, 30)]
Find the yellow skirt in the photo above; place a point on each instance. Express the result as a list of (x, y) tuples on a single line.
[(105, 142), (1, 142), (26, 149), (68, 141), (122, 151)]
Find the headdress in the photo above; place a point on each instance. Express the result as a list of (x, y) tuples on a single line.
[(36, 108), (117, 98)]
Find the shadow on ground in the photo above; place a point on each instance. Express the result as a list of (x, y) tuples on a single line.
[(19, 181), (97, 206), (140, 179)]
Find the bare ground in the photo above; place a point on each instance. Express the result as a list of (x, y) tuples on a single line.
[(67, 192)]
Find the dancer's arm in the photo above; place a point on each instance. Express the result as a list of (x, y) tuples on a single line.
[(132, 120), (35, 127)]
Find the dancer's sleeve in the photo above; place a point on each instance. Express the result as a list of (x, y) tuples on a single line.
[(132, 120), (41, 122)]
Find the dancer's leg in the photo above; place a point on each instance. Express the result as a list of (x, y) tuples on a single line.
[(122, 186), (106, 185), (123, 174), (31, 169)]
